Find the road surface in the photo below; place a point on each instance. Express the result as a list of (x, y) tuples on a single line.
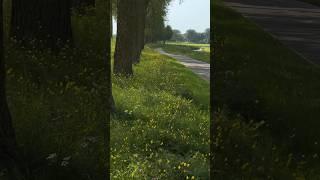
[(296, 24), (198, 67)]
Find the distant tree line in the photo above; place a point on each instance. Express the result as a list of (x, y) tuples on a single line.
[(191, 36)]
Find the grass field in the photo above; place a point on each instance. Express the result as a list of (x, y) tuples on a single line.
[(160, 129), (187, 49), (259, 80)]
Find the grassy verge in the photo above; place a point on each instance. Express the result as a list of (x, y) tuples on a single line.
[(263, 81), (161, 126), (57, 104), (188, 49), (314, 2)]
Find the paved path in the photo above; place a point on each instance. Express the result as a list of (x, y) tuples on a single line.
[(198, 67), (294, 23)]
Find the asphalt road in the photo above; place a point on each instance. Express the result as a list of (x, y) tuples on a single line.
[(294, 23), (198, 67)]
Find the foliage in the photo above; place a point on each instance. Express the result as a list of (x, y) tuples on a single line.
[(177, 36), (195, 37), (167, 34), (155, 26)]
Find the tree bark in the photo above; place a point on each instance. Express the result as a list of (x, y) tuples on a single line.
[(45, 23), (8, 146), (125, 42), (140, 25), (83, 3)]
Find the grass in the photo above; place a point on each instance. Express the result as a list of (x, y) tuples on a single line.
[(314, 2), (57, 101), (258, 80), (160, 129), (187, 49)]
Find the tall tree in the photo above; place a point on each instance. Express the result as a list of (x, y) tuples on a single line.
[(83, 3), (207, 35), (177, 36), (155, 23), (46, 23), (8, 146), (126, 26), (131, 25), (141, 24), (192, 35), (167, 34)]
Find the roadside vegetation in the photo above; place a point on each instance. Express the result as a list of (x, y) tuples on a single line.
[(160, 128), (266, 104), (199, 52), (57, 102), (314, 2)]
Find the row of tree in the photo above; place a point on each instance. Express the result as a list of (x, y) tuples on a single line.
[(191, 36), (138, 22)]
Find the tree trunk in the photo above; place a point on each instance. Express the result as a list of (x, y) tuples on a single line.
[(125, 43), (45, 23), (8, 147), (140, 25), (83, 3)]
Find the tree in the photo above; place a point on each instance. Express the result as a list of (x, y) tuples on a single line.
[(177, 36), (167, 34), (142, 6), (192, 35), (124, 51), (8, 147), (207, 35), (83, 3), (155, 20), (131, 28), (46, 23)]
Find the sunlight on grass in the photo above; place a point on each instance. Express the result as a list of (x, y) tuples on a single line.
[(161, 126), (199, 52)]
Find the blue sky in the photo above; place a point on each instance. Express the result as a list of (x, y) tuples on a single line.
[(190, 14)]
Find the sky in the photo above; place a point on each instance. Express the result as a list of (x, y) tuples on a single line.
[(190, 14)]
